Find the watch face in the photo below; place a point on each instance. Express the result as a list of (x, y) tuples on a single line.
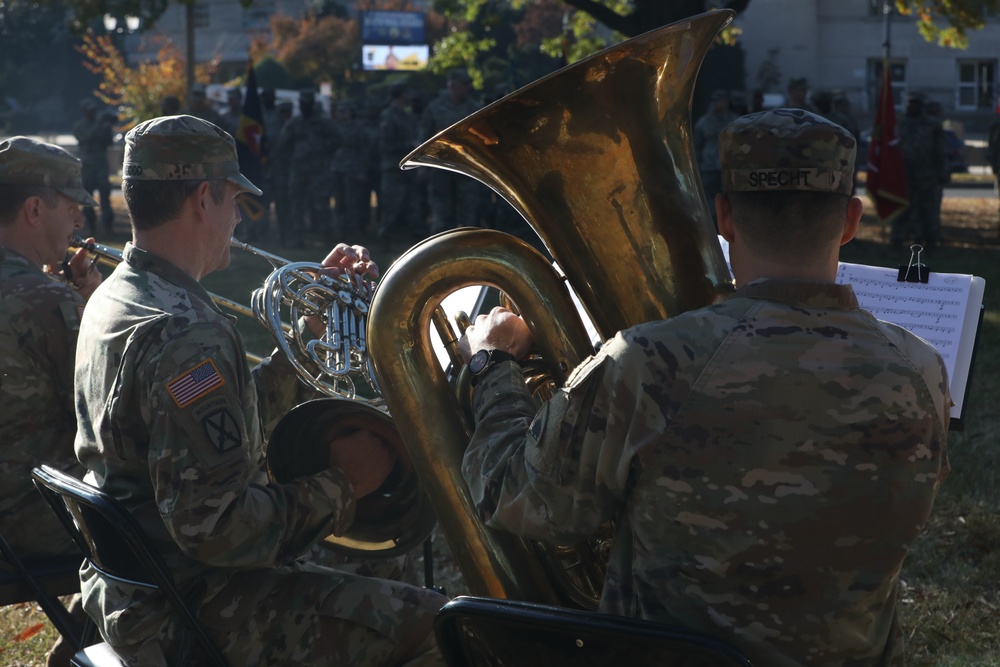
[(478, 361)]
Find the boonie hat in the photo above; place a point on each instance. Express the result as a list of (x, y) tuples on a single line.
[(26, 161), (786, 149), (182, 148)]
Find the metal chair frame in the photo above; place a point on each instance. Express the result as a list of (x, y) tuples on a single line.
[(483, 632), (116, 546)]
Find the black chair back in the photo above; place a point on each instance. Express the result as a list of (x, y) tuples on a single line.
[(482, 632), (115, 544)]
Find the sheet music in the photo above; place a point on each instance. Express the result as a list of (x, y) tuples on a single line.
[(934, 310)]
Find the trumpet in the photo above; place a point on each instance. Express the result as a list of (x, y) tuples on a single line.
[(293, 292)]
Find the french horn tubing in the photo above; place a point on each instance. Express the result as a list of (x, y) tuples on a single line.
[(598, 158)]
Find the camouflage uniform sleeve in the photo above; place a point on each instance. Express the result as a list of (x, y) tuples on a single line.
[(278, 390), (555, 475), (205, 453)]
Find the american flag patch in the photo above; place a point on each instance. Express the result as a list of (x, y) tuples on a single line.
[(79, 310), (194, 384)]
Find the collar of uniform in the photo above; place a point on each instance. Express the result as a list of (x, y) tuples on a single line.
[(147, 261), (7, 254), (808, 293)]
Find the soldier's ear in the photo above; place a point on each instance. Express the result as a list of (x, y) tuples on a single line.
[(33, 211)]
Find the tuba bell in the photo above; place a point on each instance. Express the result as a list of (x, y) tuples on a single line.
[(598, 158)]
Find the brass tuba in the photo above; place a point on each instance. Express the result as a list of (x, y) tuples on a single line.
[(598, 158)]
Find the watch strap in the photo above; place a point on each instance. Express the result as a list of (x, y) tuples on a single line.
[(495, 357)]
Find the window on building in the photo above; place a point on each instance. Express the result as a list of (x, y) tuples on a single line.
[(976, 85), (258, 16), (202, 17), (897, 79)]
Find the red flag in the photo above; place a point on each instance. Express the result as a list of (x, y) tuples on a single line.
[(886, 181)]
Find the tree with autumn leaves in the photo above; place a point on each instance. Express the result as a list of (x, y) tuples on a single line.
[(136, 92)]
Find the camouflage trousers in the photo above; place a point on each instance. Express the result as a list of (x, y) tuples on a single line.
[(397, 214), (309, 199), (351, 196), (305, 614), (921, 222), (96, 178), (454, 200)]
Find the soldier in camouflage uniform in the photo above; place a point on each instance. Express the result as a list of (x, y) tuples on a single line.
[(41, 191), (349, 167), (397, 137), (706, 144), (767, 460), (842, 116), (234, 110), (993, 150), (172, 422), (454, 198), (304, 146), (199, 105), (93, 134), (925, 159)]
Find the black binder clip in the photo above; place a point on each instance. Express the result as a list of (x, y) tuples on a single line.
[(915, 271)]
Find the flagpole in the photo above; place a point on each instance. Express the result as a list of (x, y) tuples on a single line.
[(886, 10)]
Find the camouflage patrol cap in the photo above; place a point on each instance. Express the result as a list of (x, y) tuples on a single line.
[(182, 148), (786, 149), (26, 161)]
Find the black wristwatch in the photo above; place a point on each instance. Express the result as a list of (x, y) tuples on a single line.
[(483, 360)]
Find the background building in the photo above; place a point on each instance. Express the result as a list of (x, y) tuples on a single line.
[(837, 45)]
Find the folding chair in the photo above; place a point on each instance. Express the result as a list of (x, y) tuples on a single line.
[(482, 632), (42, 580), (116, 546)]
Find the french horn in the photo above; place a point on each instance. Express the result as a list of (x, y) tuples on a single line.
[(598, 158)]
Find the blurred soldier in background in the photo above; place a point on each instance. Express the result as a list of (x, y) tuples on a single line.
[(397, 137), (304, 148), (234, 109), (921, 139), (277, 168), (842, 116), (94, 133), (370, 123), (798, 93), (170, 106), (41, 192), (350, 172), (454, 198), (200, 107), (706, 145), (993, 150)]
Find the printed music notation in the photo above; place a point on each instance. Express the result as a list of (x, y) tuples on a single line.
[(944, 311), (933, 310)]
